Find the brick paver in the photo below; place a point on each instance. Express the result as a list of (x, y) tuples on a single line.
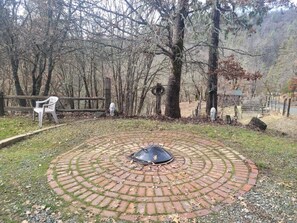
[(203, 177)]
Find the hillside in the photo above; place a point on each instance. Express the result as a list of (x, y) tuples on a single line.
[(275, 43)]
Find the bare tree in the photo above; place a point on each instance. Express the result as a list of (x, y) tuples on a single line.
[(33, 34), (129, 40), (158, 27), (11, 26)]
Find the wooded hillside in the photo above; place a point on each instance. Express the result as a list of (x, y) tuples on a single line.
[(275, 41)]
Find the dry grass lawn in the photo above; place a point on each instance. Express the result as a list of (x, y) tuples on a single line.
[(274, 121)]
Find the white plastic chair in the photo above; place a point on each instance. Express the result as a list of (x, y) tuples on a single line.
[(48, 106)]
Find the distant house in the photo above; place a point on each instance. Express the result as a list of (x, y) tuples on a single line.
[(230, 98)]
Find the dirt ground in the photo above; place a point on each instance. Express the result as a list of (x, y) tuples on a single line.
[(274, 120)]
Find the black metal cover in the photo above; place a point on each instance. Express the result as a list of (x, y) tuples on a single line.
[(152, 154)]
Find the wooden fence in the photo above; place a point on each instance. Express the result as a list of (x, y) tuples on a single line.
[(93, 103)]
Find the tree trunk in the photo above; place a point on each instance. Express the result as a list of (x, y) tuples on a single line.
[(129, 87), (18, 88), (40, 63), (118, 84), (212, 96), (145, 89), (86, 88), (49, 72), (172, 108), (147, 82)]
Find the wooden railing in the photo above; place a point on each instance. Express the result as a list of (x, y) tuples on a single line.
[(60, 106), (96, 106)]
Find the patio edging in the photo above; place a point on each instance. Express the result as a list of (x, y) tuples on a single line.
[(14, 139)]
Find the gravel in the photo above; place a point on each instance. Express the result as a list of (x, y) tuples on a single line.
[(267, 202)]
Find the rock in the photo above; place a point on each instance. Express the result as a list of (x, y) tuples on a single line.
[(257, 123), (228, 119), (100, 114)]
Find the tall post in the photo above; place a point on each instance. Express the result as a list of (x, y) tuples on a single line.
[(278, 104), (284, 108), (274, 98), (289, 106), (158, 91), (266, 101), (1, 103), (107, 92)]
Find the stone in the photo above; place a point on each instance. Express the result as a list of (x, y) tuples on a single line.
[(213, 112), (100, 114), (112, 109), (257, 123), (228, 119)]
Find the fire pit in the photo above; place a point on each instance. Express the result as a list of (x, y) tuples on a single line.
[(152, 154), (202, 176)]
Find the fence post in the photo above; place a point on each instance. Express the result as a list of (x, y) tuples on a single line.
[(289, 106), (107, 93), (1, 103), (268, 101), (278, 104), (284, 108)]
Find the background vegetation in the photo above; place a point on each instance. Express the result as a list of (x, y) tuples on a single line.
[(67, 47)]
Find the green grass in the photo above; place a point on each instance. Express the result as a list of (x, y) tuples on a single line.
[(23, 166), (11, 126), (16, 125)]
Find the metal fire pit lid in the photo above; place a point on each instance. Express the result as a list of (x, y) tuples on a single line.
[(152, 154)]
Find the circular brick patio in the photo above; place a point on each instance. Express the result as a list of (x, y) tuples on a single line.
[(99, 176)]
